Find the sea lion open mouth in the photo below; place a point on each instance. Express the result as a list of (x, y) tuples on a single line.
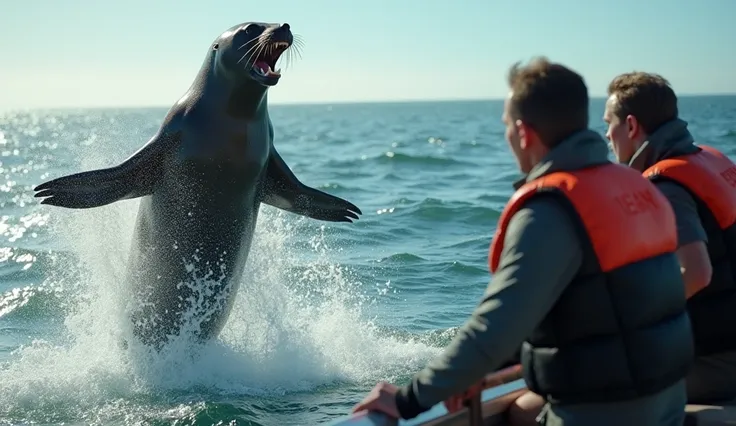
[(264, 65), (264, 45)]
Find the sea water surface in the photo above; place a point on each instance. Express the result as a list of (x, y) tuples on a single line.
[(324, 311)]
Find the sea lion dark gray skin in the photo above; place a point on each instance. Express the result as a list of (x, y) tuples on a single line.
[(202, 178)]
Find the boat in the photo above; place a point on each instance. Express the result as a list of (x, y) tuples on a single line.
[(488, 408)]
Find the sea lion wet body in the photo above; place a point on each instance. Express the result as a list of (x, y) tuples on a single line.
[(202, 179)]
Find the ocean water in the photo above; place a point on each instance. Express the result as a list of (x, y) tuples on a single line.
[(325, 310)]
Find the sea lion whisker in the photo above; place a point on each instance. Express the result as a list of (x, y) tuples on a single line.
[(298, 48), (298, 45), (246, 52), (257, 54), (255, 46), (292, 55), (257, 43), (254, 57), (264, 39), (246, 43), (289, 58)]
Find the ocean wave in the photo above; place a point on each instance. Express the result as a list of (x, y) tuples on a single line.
[(399, 158), (31, 303)]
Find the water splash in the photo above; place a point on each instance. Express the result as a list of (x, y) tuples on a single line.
[(297, 325)]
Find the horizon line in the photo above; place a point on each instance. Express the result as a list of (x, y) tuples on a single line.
[(325, 103)]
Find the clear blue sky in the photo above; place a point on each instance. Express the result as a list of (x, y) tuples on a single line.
[(145, 52)]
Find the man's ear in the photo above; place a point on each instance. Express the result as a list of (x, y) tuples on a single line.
[(633, 128), (526, 134)]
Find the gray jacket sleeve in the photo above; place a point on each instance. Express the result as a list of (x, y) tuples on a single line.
[(541, 255), (689, 227)]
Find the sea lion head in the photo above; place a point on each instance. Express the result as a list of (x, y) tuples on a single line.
[(251, 50)]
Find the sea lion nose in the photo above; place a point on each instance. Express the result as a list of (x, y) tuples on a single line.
[(285, 26)]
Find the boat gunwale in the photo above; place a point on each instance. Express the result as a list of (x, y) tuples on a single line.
[(494, 400)]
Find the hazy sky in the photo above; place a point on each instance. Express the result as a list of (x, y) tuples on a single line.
[(145, 52)]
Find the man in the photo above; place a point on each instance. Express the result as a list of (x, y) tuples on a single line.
[(584, 274), (700, 184)]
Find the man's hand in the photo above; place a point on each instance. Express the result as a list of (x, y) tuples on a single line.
[(382, 398), (457, 402)]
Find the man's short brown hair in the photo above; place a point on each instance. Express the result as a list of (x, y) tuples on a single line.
[(549, 97), (647, 96)]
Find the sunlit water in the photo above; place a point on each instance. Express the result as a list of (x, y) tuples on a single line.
[(324, 310)]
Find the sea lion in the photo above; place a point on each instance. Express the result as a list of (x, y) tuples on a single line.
[(201, 179)]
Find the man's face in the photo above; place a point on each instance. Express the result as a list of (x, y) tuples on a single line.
[(514, 139), (620, 132)]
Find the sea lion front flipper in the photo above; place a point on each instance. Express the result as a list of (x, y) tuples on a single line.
[(281, 189), (135, 177)]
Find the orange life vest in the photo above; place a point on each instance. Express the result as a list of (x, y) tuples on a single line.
[(708, 174), (710, 178), (619, 330), (625, 216)]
